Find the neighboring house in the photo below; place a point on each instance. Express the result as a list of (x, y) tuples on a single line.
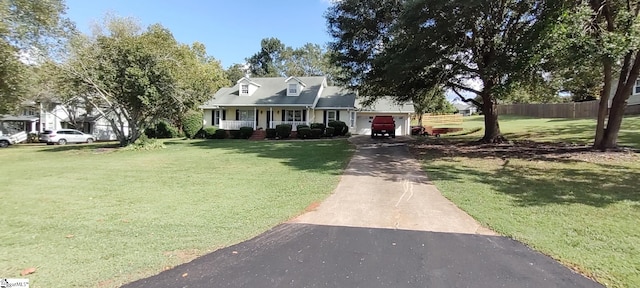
[(267, 102), (37, 117), (633, 103), (464, 108)]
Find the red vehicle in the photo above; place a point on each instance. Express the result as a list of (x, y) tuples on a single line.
[(383, 125)]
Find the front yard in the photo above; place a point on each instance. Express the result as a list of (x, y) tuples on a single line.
[(578, 206), (93, 216)]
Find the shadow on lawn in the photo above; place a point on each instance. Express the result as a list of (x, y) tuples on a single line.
[(568, 181), (80, 147), (311, 155)]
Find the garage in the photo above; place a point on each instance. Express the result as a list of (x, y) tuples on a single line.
[(401, 113), (363, 123)]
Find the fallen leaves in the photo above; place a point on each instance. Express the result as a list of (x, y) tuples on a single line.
[(28, 271)]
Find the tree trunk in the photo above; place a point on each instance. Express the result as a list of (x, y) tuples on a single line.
[(610, 137), (491, 127), (626, 83), (603, 106)]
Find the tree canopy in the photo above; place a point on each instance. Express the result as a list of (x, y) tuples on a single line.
[(275, 59), (405, 47), (29, 30), (135, 77), (605, 34)]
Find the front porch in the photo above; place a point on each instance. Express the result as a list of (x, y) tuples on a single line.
[(236, 124)]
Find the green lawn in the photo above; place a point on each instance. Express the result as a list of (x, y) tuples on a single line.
[(580, 131), (580, 209), (88, 216)]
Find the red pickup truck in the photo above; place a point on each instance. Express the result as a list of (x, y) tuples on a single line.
[(383, 125)]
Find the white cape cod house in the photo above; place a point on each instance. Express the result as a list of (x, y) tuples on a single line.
[(267, 102)]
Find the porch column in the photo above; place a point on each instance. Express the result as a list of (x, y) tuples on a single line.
[(33, 126), (255, 114), (270, 124)]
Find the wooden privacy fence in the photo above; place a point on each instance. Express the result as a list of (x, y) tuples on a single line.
[(559, 110), (439, 120)]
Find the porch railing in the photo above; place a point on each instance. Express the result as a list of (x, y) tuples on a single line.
[(235, 125), (294, 124)]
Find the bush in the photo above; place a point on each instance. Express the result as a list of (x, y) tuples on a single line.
[(144, 143), (191, 123), (329, 131), (304, 132), (210, 132), (165, 130), (32, 138), (150, 132), (283, 131), (246, 132), (220, 134), (316, 133), (302, 126), (340, 127), (271, 133), (318, 126)]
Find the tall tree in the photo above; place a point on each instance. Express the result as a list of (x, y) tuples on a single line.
[(432, 101), (396, 47), (265, 63), (235, 72), (28, 30), (604, 32), (134, 77), (277, 60)]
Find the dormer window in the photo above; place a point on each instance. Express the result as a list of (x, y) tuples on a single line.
[(293, 88), (246, 87)]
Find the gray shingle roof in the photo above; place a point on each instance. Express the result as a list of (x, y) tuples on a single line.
[(385, 105), (336, 97), (272, 91), (18, 118)]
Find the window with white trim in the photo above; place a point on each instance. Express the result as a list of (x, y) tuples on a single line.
[(637, 88), (293, 89), (244, 89), (331, 115), (216, 118), (28, 112), (246, 115), (293, 115)]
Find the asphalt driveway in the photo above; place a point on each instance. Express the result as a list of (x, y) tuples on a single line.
[(385, 225)]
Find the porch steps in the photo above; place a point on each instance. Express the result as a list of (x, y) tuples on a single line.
[(258, 135)]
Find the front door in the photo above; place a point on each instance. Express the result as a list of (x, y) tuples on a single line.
[(269, 118)]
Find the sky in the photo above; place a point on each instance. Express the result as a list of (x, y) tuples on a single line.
[(230, 29)]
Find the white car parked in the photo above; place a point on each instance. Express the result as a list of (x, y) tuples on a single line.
[(64, 136)]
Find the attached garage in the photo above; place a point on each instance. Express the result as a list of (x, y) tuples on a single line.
[(385, 106), (363, 123)]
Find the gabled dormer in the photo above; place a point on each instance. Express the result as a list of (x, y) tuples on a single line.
[(294, 86), (246, 87)]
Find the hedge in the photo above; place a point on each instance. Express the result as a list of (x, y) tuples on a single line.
[(191, 123), (304, 132), (271, 133), (245, 132), (283, 131)]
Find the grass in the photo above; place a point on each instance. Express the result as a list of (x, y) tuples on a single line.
[(579, 131), (580, 209), (92, 216)]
